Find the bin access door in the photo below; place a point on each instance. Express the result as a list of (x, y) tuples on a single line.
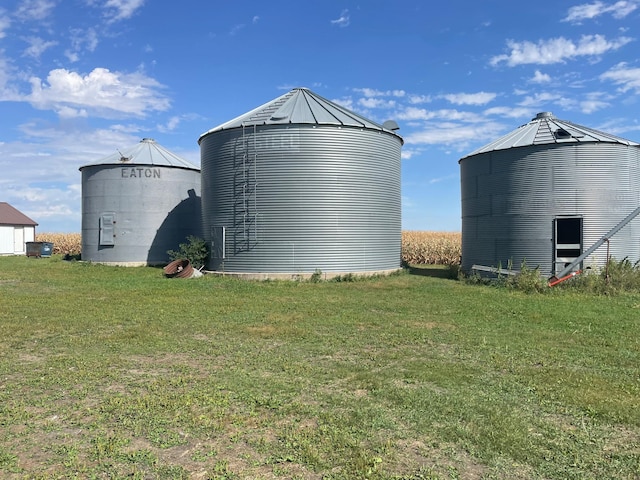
[(107, 229), (567, 241)]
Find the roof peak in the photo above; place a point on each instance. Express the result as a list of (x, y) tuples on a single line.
[(545, 128), (145, 152), (543, 115), (299, 106)]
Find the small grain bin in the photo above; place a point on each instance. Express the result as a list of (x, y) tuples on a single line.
[(301, 185), (138, 204), (549, 193)]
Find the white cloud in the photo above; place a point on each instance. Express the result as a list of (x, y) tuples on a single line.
[(450, 133), (557, 50), (510, 112), (369, 92), (539, 99), (480, 98), (102, 92), (81, 40), (592, 105), (170, 126), (343, 20), (236, 28), (589, 11), (7, 73), (5, 23), (413, 113), (344, 102), (376, 103), (34, 9), (37, 46), (414, 99), (372, 92), (627, 78), (121, 9), (407, 153), (539, 77)]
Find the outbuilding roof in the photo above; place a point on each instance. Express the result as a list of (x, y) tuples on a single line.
[(147, 152), (301, 106), (10, 215), (544, 128)]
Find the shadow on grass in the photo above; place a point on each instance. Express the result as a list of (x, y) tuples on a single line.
[(434, 271)]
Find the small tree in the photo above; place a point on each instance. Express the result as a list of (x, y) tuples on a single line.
[(195, 250)]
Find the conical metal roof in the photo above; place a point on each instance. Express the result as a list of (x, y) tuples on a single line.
[(147, 152), (301, 106), (546, 129)]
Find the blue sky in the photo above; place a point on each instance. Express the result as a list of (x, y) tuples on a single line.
[(80, 79)]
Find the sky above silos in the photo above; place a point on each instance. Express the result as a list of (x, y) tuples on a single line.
[(80, 79)]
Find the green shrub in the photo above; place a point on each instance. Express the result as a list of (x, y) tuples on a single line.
[(527, 280), (195, 250)]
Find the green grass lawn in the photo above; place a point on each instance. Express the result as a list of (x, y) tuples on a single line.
[(111, 372)]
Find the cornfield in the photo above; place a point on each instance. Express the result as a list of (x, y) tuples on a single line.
[(63, 243), (418, 248), (431, 248)]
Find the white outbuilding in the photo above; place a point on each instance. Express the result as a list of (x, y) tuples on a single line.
[(16, 229)]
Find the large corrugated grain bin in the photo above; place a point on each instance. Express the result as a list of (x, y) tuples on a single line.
[(138, 204), (546, 193), (302, 184)]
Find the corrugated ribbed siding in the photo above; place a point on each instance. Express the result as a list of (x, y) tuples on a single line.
[(510, 199), (326, 198), (155, 208)]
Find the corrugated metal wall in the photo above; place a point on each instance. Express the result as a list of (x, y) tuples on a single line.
[(150, 209), (304, 197), (511, 197)]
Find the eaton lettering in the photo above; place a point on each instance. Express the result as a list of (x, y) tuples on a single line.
[(140, 172)]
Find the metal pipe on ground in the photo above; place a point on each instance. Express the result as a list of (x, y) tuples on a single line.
[(181, 268)]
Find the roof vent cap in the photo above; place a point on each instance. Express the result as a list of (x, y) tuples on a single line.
[(543, 115), (390, 125)]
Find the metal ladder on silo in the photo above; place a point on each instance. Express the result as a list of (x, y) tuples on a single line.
[(247, 177)]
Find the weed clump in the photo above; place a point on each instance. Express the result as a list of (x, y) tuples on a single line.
[(615, 277), (195, 250), (528, 280)]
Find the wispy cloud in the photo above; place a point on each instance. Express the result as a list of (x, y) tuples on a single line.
[(240, 26), (557, 50), (37, 46), (5, 23), (343, 20), (116, 10), (452, 133), (480, 98), (81, 41), (372, 92), (625, 77), (34, 9), (588, 11), (376, 103), (595, 101)]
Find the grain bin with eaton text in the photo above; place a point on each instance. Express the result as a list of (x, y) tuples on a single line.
[(302, 185), (137, 204), (553, 195)]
